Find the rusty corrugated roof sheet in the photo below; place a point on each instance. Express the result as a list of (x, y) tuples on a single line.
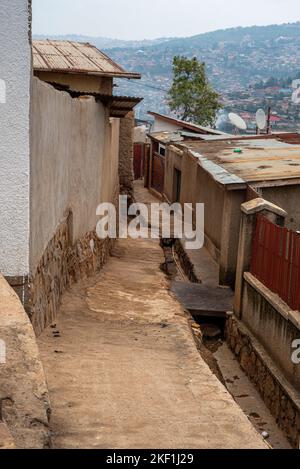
[(75, 57), (262, 159)]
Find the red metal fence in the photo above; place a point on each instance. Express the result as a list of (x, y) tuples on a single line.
[(276, 260)]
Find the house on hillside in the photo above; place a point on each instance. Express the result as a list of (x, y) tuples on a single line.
[(80, 143), (223, 174), (164, 131)]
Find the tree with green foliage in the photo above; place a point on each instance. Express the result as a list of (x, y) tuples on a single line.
[(191, 96)]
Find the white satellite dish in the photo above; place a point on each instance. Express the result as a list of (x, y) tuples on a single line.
[(261, 119), (237, 121)]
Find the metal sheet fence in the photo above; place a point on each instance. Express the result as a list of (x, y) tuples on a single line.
[(276, 260)]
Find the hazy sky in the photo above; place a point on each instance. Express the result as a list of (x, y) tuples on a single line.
[(139, 19)]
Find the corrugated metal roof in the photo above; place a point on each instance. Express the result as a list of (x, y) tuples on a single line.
[(262, 160), (75, 57), (119, 106)]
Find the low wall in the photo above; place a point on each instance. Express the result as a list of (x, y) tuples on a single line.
[(273, 324), (24, 400), (281, 398)]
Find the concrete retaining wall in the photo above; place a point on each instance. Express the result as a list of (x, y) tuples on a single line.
[(280, 396), (273, 324)]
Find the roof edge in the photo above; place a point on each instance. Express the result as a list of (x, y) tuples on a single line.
[(187, 125)]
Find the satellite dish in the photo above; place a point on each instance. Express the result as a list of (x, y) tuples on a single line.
[(237, 121), (261, 119), (296, 96)]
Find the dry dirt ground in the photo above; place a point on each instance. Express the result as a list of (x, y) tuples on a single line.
[(123, 369)]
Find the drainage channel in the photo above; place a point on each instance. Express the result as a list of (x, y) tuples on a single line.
[(209, 333)]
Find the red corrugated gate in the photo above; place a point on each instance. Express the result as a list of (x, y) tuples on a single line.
[(276, 260)]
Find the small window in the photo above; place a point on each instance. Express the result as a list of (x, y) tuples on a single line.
[(162, 150)]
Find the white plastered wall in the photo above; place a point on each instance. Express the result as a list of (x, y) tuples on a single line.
[(15, 73)]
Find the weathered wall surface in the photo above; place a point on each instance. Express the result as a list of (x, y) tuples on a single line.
[(281, 398), (79, 82), (160, 125), (126, 156), (230, 232), (15, 70), (271, 322), (74, 167), (196, 187), (286, 197), (222, 208), (74, 164), (23, 392)]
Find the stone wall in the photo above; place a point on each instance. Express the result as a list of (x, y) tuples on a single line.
[(280, 397), (126, 156), (62, 264)]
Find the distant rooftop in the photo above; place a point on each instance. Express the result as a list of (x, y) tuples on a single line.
[(77, 58), (187, 125), (262, 159)]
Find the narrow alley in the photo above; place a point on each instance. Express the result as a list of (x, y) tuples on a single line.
[(123, 369)]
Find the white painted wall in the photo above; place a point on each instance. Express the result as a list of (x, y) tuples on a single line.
[(161, 125), (74, 163), (15, 70)]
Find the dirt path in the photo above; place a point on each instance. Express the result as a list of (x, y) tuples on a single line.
[(124, 371)]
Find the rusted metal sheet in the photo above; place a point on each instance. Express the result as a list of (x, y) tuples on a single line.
[(75, 57), (276, 260), (258, 160)]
